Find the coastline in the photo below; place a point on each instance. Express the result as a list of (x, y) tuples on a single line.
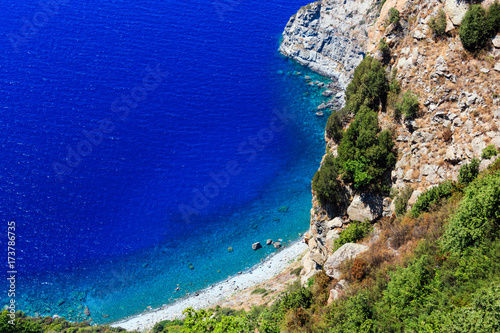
[(217, 292)]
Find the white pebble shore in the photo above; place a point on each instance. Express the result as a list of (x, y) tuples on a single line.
[(217, 292)]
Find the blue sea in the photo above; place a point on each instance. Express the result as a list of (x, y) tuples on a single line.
[(140, 140)]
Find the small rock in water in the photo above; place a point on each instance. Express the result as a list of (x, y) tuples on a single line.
[(256, 246), (308, 78), (230, 249), (283, 209), (87, 311), (277, 245), (320, 114), (327, 93), (269, 242)]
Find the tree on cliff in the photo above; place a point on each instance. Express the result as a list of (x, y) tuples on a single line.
[(368, 87)]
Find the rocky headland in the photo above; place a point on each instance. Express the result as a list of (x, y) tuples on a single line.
[(458, 93)]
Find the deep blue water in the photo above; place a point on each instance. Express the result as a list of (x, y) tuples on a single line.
[(140, 139)]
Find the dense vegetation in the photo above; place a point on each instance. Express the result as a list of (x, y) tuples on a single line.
[(23, 324), (479, 25), (364, 151)]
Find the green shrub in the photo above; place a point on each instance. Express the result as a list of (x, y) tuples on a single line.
[(468, 172), (483, 316), (301, 298), (325, 183), (431, 197), (489, 152), (334, 127), (393, 16), (438, 24), (494, 18), (384, 48), (477, 218), (474, 31), (364, 152), (368, 86), (354, 232), (402, 201), (409, 105)]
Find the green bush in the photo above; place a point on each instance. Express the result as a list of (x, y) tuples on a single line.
[(477, 218), (438, 24), (494, 18), (354, 232), (393, 16), (483, 316), (431, 197), (401, 201), (468, 172), (364, 152), (325, 183), (408, 106), (384, 48), (368, 87), (474, 30), (489, 152), (334, 127)]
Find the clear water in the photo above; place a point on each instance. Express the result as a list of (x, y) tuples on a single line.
[(119, 225)]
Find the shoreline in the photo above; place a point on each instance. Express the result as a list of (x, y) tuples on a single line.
[(217, 292)]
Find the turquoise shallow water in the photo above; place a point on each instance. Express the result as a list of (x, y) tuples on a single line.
[(106, 228)]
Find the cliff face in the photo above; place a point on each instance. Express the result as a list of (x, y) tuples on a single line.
[(459, 97), (329, 36)]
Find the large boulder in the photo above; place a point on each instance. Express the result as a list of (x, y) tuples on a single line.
[(335, 223), (311, 264), (345, 252), (365, 207), (456, 10)]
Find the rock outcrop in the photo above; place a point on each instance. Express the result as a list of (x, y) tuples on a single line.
[(329, 36), (345, 252)]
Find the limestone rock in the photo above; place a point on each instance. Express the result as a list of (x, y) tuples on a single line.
[(365, 206), (310, 267), (335, 223), (486, 163), (477, 146), (277, 245), (496, 41), (269, 242), (338, 290), (328, 37), (346, 251), (456, 10), (256, 246), (414, 197), (497, 67), (87, 311)]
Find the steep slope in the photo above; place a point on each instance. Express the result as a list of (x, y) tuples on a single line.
[(459, 112)]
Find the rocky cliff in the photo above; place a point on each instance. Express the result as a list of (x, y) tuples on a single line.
[(330, 36), (459, 97)]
